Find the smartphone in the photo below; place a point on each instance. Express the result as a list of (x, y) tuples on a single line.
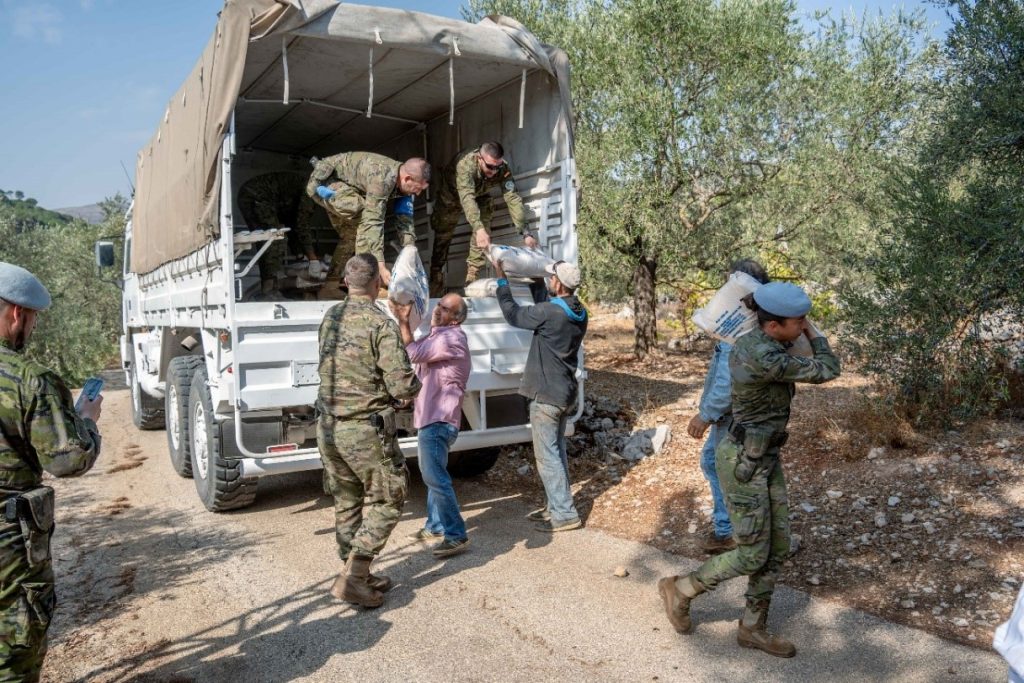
[(93, 387)]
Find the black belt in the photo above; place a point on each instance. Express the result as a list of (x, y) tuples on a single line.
[(739, 432)]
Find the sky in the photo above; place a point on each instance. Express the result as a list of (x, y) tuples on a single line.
[(85, 82)]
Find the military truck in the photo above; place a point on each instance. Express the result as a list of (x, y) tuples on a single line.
[(233, 380)]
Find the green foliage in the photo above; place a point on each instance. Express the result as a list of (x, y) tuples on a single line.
[(711, 130), (78, 335), (949, 268), (25, 213)]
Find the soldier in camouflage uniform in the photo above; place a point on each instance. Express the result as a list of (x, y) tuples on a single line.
[(464, 189), (749, 466), (355, 188), (364, 370), (39, 430), (278, 200)]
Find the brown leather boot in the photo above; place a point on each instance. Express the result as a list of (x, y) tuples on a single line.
[(436, 283), (333, 290), (677, 602), (377, 582), (757, 636), (353, 585)]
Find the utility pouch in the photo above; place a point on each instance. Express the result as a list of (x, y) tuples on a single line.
[(757, 441), (36, 516)]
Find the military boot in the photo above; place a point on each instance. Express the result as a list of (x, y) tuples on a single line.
[(676, 593), (754, 634), (377, 582), (353, 586), (333, 290), (472, 273)]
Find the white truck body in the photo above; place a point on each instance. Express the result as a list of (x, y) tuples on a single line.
[(254, 363)]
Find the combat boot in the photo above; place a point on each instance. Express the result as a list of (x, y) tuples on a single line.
[(376, 581), (676, 593), (756, 635), (354, 585), (436, 283), (332, 291), (472, 273)]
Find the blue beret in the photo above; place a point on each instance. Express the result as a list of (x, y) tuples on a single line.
[(21, 287), (783, 299)]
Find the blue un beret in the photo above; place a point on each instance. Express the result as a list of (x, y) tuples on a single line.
[(783, 299), (18, 286)]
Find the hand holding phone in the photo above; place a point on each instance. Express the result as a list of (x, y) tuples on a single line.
[(93, 387)]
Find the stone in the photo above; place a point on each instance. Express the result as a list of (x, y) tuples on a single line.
[(621, 572), (607, 424), (814, 580), (626, 313), (893, 501), (662, 435), (794, 543), (907, 604), (1002, 444), (960, 622), (523, 470), (877, 452), (954, 458), (880, 520), (907, 518), (929, 527), (834, 495), (807, 507), (691, 528)]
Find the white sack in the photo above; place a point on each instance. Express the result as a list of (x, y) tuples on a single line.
[(409, 284), (725, 317), (520, 261)]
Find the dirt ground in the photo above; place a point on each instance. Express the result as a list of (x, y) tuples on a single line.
[(925, 530)]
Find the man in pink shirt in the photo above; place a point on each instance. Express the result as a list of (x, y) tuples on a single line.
[(443, 365)]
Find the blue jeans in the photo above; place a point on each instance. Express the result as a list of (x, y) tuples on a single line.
[(552, 464), (720, 515), (443, 514)]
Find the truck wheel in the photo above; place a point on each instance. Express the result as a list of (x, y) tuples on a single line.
[(147, 412), (179, 380), (219, 482), (463, 464)]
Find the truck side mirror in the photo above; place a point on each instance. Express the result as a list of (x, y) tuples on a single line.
[(104, 254)]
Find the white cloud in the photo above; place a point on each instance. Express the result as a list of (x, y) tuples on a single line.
[(36, 21)]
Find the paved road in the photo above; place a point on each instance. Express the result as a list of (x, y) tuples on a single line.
[(153, 588)]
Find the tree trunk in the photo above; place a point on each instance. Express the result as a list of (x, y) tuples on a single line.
[(645, 302)]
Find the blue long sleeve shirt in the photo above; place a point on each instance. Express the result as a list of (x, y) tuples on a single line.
[(716, 399)]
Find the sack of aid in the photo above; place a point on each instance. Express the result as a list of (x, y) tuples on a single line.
[(520, 261), (725, 317), (409, 284)]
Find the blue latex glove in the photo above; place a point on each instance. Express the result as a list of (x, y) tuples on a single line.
[(325, 192), (403, 205)]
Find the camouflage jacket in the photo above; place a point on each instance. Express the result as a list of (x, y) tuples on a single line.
[(39, 428), (277, 200), (763, 377), (373, 177), (462, 182), (363, 363)]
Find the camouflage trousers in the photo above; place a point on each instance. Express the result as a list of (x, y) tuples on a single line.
[(27, 601), (344, 209), (369, 481), (443, 222), (759, 512)]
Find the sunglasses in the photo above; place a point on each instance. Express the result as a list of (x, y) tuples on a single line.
[(494, 167)]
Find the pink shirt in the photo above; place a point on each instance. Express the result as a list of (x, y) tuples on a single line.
[(443, 365)]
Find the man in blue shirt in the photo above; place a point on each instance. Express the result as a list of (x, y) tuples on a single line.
[(715, 411)]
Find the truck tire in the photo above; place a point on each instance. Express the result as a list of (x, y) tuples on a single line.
[(179, 381), (147, 412), (464, 464), (219, 482)]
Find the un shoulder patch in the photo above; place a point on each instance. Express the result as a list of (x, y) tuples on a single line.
[(509, 185)]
